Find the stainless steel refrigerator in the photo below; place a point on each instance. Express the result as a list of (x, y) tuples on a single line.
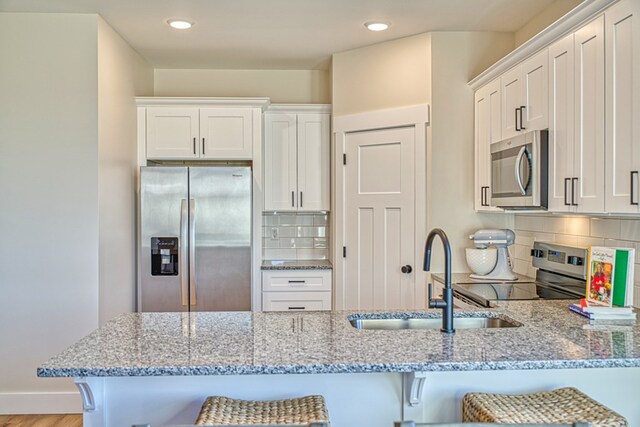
[(194, 239)]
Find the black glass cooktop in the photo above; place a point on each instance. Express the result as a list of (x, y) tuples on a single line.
[(484, 293)]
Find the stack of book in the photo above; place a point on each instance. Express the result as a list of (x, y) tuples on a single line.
[(609, 293), (603, 313)]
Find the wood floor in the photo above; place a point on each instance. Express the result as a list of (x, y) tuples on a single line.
[(74, 420)]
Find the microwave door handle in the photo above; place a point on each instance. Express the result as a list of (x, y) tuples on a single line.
[(184, 285), (522, 152)]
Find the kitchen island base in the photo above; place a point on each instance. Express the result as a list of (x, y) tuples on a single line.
[(371, 399)]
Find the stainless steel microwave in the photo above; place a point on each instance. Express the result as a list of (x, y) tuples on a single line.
[(519, 171)]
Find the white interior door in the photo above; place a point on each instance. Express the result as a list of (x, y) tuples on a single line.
[(379, 202)]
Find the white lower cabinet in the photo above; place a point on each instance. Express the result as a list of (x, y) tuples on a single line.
[(298, 290), (296, 301)]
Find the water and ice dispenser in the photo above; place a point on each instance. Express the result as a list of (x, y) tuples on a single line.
[(164, 256)]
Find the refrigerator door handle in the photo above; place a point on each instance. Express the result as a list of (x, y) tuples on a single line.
[(192, 252), (183, 252)]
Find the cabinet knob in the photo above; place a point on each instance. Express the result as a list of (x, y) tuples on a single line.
[(406, 269)]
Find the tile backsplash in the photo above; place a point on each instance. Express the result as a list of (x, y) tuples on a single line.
[(295, 236), (574, 231)]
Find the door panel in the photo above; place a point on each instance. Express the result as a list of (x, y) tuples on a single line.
[(589, 119), (163, 192), (226, 133), (172, 133), (221, 203), (623, 106), (511, 87), (313, 162), (280, 187), (535, 92), (380, 219), (561, 125)]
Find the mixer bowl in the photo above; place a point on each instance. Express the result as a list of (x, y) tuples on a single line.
[(481, 261)]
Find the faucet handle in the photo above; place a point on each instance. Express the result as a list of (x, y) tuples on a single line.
[(429, 293)]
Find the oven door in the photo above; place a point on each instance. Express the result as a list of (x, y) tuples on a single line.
[(516, 172)]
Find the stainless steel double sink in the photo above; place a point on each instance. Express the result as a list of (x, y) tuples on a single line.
[(485, 320)]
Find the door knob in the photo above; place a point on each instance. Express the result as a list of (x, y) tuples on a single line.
[(406, 269)]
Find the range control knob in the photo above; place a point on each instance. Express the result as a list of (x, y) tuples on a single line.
[(575, 260), (537, 253)]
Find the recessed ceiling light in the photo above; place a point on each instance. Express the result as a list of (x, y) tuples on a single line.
[(377, 25), (180, 24)]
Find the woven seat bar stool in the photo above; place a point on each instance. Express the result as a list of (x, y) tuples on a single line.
[(561, 406), (218, 410)]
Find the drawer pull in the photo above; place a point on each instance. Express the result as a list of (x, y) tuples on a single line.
[(297, 281), (296, 308)]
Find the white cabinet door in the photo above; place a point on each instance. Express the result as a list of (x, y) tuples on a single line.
[(511, 88), (313, 162), (622, 34), (561, 124), (524, 96), (172, 133), (280, 162), (588, 180), (226, 133), (296, 301), (487, 130), (534, 107), (300, 280)]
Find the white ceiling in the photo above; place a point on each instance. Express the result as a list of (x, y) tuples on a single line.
[(280, 34)]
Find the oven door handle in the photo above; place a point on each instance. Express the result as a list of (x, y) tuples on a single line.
[(518, 169)]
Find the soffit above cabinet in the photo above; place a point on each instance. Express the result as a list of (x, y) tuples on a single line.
[(565, 25)]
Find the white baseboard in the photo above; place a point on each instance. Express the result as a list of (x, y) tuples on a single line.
[(40, 403)]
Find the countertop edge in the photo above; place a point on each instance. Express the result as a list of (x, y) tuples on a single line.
[(44, 372)]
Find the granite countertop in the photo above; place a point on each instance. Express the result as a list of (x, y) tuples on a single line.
[(320, 264), (231, 343)]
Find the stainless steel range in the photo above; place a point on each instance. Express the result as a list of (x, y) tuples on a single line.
[(561, 275)]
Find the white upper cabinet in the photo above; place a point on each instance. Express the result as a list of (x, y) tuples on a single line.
[(588, 181), (561, 124), (199, 128), (296, 161), (524, 96), (576, 121), (226, 133), (280, 162), (313, 161), (487, 130), (622, 65), (172, 133)]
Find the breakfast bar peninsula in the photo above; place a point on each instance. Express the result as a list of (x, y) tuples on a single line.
[(158, 368)]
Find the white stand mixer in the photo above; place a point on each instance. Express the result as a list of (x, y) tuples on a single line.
[(501, 239)]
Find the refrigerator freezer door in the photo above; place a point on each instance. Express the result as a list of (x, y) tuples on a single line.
[(163, 218), (221, 226)]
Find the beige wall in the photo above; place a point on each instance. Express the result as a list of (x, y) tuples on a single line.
[(49, 193), (384, 75), (545, 18), (282, 86), (122, 75), (456, 58)]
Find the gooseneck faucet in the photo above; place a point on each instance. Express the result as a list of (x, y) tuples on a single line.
[(446, 303)]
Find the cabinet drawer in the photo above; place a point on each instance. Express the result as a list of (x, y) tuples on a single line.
[(288, 281), (296, 301)]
